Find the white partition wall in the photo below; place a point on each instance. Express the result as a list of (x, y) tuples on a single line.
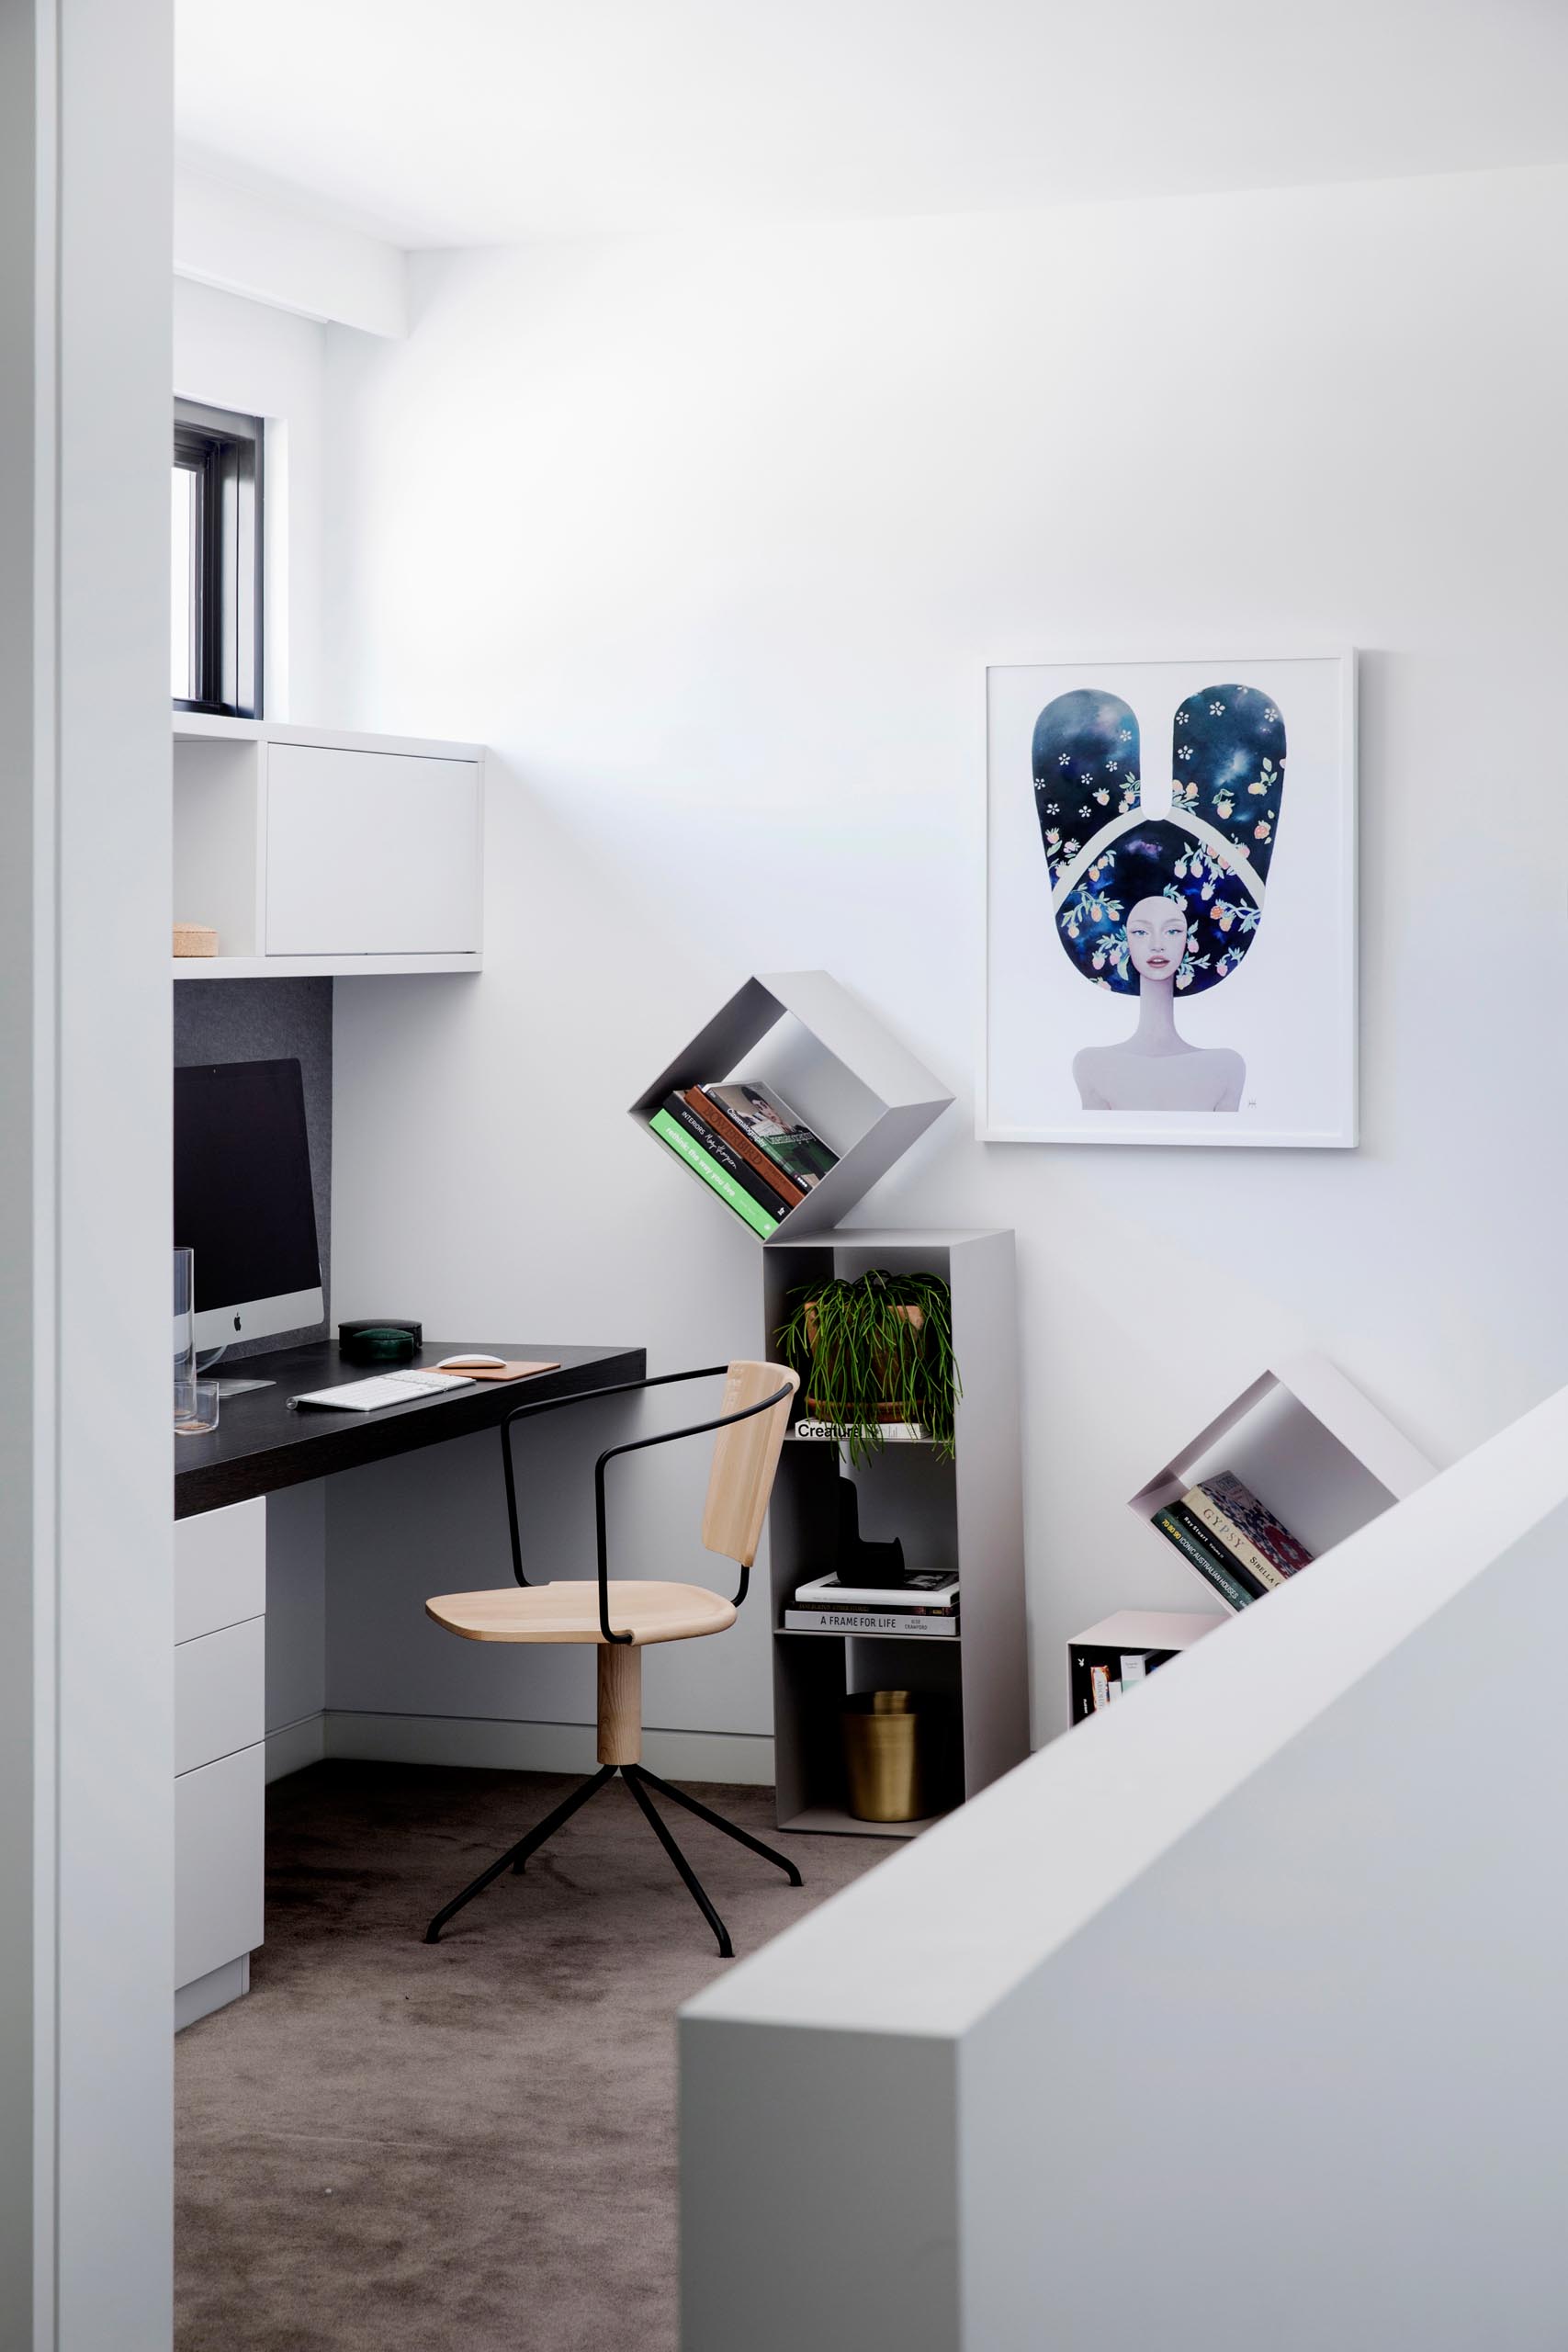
[(1234, 2018), (86, 1656)]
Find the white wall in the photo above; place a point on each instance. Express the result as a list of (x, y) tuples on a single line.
[(270, 251), (712, 541), (242, 355)]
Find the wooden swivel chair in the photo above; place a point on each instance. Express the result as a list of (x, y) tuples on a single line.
[(620, 1619)]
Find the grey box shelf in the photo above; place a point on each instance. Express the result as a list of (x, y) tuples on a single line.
[(833, 1062), (1310, 1443), (1147, 1633), (966, 1514)]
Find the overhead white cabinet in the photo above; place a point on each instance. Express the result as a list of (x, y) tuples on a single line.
[(370, 852), (309, 851)]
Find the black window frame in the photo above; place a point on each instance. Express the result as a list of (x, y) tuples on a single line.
[(225, 452)]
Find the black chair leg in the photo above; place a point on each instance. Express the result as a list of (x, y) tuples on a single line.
[(633, 1776), (515, 1856), (718, 1821)]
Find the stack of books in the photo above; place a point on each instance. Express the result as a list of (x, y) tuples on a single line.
[(1105, 1688), (924, 1605), (748, 1144), (1236, 1541)]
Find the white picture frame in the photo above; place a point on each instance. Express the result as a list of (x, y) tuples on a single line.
[(1094, 1032)]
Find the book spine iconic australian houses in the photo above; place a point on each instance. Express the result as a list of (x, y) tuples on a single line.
[(1210, 1562), (1252, 1576)]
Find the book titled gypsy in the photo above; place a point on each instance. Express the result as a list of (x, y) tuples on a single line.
[(1247, 1528)]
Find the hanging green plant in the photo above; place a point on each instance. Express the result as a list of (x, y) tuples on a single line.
[(873, 1350)]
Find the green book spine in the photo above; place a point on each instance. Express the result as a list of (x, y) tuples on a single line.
[(1225, 1581), (710, 1171)]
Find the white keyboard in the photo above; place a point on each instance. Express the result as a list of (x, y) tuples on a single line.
[(383, 1388)]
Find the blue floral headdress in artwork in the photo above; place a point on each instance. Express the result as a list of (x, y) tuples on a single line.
[(1211, 854)]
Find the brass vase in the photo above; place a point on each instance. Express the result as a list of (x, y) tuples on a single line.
[(883, 1772)]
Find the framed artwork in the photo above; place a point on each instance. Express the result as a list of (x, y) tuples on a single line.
[(1171, 902)]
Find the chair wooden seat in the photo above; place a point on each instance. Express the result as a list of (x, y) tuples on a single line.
[(569, 1612)]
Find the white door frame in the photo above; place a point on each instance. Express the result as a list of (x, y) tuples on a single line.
[(85, 1616)]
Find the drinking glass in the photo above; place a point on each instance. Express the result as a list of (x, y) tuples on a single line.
[(196, 1407)]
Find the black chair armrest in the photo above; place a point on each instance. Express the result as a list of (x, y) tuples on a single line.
[(555, 1404), (639, 1445)]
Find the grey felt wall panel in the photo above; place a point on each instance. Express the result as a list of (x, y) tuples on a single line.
[(263, 1021)]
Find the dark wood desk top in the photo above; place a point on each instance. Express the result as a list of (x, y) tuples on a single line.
[(260, 1446)]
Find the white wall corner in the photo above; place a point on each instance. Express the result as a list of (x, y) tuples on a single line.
[(246, 243)]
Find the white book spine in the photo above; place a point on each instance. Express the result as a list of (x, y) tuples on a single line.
[(867, 1621), (822, 1592), (892, 1432)]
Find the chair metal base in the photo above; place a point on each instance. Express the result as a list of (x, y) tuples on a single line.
[(639, 1780)]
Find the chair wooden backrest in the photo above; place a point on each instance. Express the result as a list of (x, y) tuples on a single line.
[(745, 1459)]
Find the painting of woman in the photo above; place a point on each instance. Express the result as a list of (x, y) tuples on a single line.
[(1158, 970), (1158, 906)]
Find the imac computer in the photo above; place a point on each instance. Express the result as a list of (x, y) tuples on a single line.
[(244, 1202)]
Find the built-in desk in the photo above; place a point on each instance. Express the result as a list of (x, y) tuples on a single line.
[(261, 1446), (221, 1482)]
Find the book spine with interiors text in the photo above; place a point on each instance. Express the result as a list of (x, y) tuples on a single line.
[(741, 1145), (1209, 1564), (670, 1131)]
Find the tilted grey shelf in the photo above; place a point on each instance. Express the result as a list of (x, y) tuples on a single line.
[(1307, 1440), (965, 1514), (833, 1063)]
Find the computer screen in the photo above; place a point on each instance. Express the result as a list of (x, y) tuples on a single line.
[(242, 1199)]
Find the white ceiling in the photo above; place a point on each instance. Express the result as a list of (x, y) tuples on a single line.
[(479, 122)]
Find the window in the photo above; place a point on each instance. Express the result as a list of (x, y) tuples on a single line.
[(216, 612)]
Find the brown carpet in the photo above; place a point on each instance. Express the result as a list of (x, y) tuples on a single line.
[(470, 2146)]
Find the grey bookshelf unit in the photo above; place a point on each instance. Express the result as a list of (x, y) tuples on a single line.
[(965, 1514), (830, 1058)]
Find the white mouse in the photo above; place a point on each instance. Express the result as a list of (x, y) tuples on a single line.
[(472, 1364)]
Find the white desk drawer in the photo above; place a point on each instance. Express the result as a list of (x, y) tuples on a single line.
[(219, 1568), (220, 1693), (220, 1860)]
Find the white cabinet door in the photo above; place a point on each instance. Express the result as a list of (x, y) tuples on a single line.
[(219, 1861), (371, 853)]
